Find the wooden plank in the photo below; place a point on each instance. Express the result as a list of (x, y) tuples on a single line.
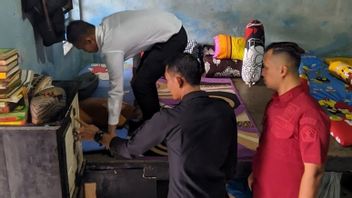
[(90, 190)]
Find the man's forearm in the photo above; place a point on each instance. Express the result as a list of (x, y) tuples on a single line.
[(310, 183), (107, 139), (111, 129)]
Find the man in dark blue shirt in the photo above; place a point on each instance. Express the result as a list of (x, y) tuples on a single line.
[(200, 133)]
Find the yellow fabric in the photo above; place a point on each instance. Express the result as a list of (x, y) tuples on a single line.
[(347, 60), (341, 70), (229, 47)]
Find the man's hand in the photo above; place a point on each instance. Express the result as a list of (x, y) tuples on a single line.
[(87, 131), (250, 181)]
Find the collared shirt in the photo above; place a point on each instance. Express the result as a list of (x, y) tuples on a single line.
[(201, 138), (296, 131), (121, 36)]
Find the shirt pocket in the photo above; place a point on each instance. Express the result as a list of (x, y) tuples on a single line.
[(284, 142), (282, 128)]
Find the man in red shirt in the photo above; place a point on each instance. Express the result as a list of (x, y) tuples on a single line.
[(293, 147)]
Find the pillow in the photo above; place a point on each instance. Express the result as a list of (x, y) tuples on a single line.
[(194, 49), (46, 105), (347, 60), (208, 50), (88, 83), (340, 114), (192, 45), (341, 70), (229, 47), (341, 131), (253, 52), (225, 68)]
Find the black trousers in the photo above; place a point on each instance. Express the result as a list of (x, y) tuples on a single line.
[(151, 68)]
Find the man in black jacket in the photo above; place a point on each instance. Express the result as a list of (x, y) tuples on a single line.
[(200, 133)]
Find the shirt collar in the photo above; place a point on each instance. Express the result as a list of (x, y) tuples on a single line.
[(289, 95), (194, 94)]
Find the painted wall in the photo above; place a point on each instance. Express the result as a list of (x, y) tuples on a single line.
[(17, 32), (322, 26)]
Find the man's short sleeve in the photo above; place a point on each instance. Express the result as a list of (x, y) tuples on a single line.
[(314, 137)]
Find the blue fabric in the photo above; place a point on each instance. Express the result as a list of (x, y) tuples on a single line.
[(322, 84), (89, 146), (103, 86), (238, 188)]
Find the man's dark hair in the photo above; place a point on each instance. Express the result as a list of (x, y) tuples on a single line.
[(188, 67), (76, 29), (289, 48)]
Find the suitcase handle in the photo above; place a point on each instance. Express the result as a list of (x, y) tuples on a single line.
[(156, 172)]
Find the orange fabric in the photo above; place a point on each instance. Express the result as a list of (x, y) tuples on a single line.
[(229, 47)]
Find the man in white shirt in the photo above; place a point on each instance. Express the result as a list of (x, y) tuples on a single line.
[(123, 35)]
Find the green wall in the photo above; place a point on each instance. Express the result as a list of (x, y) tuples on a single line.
[(321, 26)]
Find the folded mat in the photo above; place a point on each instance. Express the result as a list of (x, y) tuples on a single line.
[(333, 95)]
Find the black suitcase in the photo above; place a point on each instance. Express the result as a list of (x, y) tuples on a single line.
[(124, 178)]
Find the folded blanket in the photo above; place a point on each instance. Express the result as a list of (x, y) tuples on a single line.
[(333, 95), (341, 70)]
